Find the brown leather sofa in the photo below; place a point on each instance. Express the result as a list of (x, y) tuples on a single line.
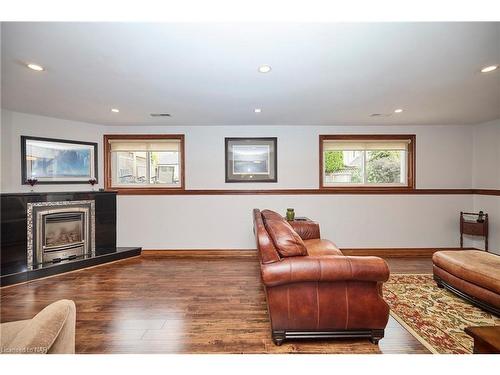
[(312, 289)]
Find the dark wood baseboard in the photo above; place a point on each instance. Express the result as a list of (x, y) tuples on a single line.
[(400, 252), (194, 253)]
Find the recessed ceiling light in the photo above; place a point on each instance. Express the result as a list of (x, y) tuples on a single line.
[(257, 110), (115, 110), (488, 69), (36, 67), (399, 110), (264, 68)]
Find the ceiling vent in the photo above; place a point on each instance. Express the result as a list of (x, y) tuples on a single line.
[(160, 115), (380, 114)]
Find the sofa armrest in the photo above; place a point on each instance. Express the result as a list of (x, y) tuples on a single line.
[(307, 229), (52, 330), (325, 269)]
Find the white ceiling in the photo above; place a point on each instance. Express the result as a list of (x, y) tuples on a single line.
[(206, 74)]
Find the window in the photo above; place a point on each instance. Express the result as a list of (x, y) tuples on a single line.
[(367, 161), (144, 161)]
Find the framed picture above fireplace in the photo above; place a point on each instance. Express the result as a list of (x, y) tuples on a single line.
[(251, 160), (58, 161)]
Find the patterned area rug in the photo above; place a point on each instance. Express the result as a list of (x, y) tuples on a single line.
[(436, 317)]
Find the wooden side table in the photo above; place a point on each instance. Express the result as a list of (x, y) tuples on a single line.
[(299, 218), (486, 339), (473, 228)]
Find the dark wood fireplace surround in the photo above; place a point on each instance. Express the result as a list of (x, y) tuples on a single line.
[(14, 243)]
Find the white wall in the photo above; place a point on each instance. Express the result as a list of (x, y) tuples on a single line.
[(15, 124), (208, 222), (486, 175), (444, 153), (444, 160), (486, 168)]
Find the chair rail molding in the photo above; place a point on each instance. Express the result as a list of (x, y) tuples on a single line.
[(359, 191)]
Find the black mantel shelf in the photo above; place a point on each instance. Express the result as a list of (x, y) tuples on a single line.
[(13, 245), (35, 193), (59, 192)]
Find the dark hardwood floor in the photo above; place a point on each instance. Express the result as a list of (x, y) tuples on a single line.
[(165, 304)]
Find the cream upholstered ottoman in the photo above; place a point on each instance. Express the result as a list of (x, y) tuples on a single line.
[(472, 274)]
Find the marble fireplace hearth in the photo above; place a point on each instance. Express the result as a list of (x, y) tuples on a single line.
[(43, 234)]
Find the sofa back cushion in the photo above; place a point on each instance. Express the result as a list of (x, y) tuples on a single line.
[(265, 245), (270, 215), (287, 241)]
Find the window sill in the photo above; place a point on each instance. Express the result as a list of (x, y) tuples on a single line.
[(369, 189)]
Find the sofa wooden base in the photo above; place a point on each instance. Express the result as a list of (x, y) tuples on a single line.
[(481, 304), (373, 334)]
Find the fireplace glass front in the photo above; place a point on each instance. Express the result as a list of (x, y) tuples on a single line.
[(60, 231), (63, 235)]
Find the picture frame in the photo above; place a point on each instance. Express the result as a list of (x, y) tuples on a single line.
[(251, 159), (58, 161)]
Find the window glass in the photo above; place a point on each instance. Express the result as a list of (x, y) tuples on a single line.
[(145, 163), (365, 162)]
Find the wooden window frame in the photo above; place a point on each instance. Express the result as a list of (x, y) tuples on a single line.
[(411, 162), (108, 186)]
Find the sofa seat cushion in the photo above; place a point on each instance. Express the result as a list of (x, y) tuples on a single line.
[(319, 247), (476, 267), (287, 241)]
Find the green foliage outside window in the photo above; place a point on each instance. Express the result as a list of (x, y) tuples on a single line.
[(334, 161), (383, 167), (356, 176)]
